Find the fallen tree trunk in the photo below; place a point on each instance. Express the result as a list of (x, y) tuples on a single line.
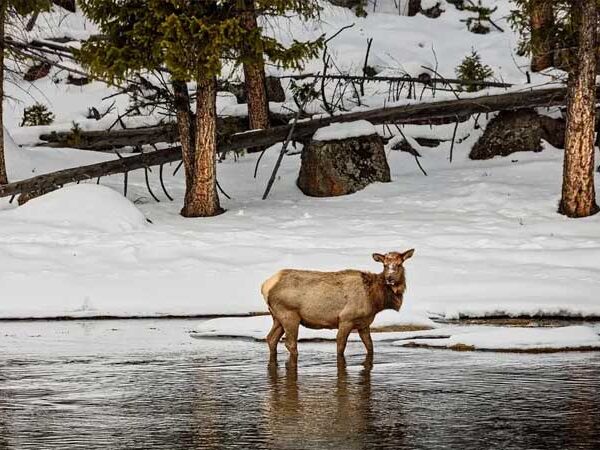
[(51, 181), (421, 113), (108, 141), (303, 130)]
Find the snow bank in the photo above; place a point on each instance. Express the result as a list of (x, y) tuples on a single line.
[(23, 162), (338, 131), (258, 327), (83, 206), (515, 339)]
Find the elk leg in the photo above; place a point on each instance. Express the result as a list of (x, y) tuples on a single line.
[(274, 336), (365, 337), (290, 325), (344, 330)]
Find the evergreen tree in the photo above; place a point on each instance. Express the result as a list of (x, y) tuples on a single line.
[(575, 35), (10, 9), (542, 44), (535, 19), (190, 39), (472, 69), (578, 192), (254, 74)]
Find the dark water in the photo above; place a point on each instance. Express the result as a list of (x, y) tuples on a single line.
[(147, 384)]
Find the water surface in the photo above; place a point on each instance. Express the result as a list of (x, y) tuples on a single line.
[(149, 385)]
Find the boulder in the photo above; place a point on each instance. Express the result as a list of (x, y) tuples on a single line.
[(518, 131), (343, 159)]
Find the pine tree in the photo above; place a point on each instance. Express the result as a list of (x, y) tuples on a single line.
[(472, 69), (541, 33), (190, 40), (578, 192), (542, 48), (254, 74), (575, 36), (8, 10)]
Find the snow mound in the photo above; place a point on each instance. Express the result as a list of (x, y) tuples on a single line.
[(83, 206), (338, 131), (515, 339), (258, 327)]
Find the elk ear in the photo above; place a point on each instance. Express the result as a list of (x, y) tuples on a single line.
[(378, 257), (407, 254)]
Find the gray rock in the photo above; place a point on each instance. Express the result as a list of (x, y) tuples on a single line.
[(340, 167), (518, 131)]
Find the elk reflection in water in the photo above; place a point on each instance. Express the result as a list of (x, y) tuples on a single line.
[(303, 411)]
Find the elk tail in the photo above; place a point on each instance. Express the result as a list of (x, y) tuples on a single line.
[(268, 285)]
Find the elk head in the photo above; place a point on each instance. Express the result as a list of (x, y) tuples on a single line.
[(393, 269)]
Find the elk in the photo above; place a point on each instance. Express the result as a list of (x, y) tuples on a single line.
[(347, 300)]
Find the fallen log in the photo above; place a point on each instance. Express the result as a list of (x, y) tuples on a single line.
[(303, 130), (108, 141), (54, 180), (435, 113)]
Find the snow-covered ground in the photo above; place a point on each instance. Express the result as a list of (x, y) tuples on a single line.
[(487, 236)]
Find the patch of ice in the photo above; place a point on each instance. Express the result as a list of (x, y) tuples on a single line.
[(507, 338), (258, 327), (337, 131), (84, 206)]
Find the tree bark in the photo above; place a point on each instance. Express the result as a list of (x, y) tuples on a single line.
[(3, 176), (201, 197), (578, 193), (186, 127), (542, 21), (414, 7), (254, 74)]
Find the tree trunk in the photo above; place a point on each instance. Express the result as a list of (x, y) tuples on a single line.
[(3, 176), (414, 7), (578, 194), (254, 74), (201, 197), (187, 129), (542, 22)]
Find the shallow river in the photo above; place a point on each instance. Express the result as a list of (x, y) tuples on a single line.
[(148, 385)]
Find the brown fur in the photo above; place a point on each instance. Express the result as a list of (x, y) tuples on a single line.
[(347, 300)]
